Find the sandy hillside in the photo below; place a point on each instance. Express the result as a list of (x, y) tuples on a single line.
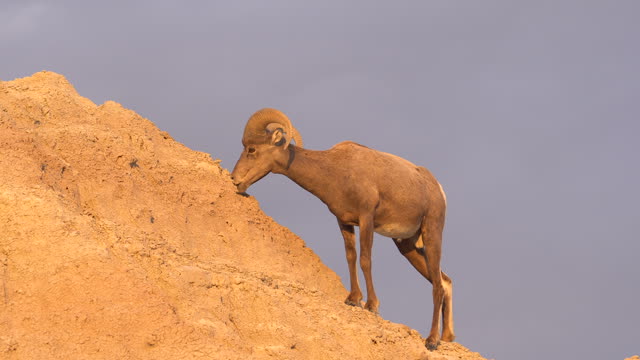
[(117, 242)]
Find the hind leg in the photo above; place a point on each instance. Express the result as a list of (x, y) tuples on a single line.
[(432, 251), (447, 309), (412, 249)]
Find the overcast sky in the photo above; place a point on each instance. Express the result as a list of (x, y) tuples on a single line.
[(528, 113)]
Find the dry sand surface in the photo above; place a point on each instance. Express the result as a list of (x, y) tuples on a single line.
[(117, 242)]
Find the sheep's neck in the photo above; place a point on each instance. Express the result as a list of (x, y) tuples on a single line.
[(313, 171)]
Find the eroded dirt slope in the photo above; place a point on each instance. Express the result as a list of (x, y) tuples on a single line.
[(118, 242)]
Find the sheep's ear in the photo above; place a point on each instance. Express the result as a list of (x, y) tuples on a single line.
[(277, 137)]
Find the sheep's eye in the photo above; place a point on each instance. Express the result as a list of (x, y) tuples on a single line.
[(251, 150)]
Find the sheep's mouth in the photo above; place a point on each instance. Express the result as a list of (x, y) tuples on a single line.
[(242, 189), (242, 186)]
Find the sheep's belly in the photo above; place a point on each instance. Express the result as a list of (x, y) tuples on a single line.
[(397, 231)]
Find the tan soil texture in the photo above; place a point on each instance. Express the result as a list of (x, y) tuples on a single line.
[(117, 242)]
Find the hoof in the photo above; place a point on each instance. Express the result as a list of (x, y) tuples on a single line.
[(375, 311), (371, 307), (432, 345), (353, 303)]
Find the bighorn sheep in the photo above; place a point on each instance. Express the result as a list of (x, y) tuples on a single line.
[(376, 191)]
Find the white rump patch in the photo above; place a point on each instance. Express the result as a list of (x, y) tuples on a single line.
[(444, 196)]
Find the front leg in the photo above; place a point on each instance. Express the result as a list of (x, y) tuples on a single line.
[(355, 296), (366, 244)]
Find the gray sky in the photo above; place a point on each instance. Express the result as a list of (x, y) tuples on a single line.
[(528, 114)]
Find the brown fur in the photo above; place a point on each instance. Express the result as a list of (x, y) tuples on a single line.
[(376, 191)]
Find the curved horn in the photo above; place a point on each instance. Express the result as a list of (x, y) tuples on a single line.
[(258, 122), (296, 136)]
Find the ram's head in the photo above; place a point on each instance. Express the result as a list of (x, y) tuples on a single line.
[(266, 141)]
